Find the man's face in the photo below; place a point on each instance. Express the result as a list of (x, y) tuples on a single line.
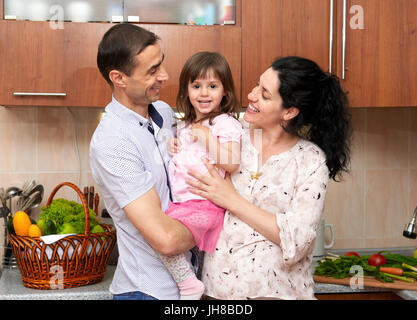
[(143, 86)]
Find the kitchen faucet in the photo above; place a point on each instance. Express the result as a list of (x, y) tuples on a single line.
[(410, 228)]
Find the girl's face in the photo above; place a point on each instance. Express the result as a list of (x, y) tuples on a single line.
[(265, 103), (206, 94)]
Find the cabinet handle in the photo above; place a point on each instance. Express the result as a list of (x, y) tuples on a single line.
[(344, 40), (331, 37), (43, 94)]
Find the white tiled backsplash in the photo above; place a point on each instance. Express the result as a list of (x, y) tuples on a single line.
[(368, 209)]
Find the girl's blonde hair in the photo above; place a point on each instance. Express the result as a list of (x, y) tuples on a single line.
[(198, 66)]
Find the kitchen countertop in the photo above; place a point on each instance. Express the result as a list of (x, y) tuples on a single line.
[(11, 286)]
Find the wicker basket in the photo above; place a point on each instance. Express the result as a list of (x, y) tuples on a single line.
[(73, 261)]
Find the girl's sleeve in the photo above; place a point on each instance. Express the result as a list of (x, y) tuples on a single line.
[(227, 129), (298, 225)]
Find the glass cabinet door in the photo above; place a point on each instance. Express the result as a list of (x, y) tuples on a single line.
[(63, 10), (200, 12)]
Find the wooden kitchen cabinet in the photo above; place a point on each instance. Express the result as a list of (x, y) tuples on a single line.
[(276, 28), (87, 87), (82, 80), (31, 55), (179, 42), (50, 61), (381, 58), (44, 60)]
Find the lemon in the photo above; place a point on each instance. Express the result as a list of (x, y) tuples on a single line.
[(415, 254), (21, 223), (34, 231)]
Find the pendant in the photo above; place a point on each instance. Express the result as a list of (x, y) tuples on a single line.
[(255, 175)]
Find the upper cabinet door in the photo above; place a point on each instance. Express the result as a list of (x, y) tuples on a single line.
[(380, 54), (180, 42), (276, 28), (83, 82), (49, 66), (32, 64)]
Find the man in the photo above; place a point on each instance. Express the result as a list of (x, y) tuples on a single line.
[(128, 159)]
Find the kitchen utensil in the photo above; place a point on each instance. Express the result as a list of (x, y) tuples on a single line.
[(27, 187), (11, 193), (91, 198), (320, 244), (9, 261), (26, 194), (36, 202), (34, 198), (3, 197), (96, 201), (86, 194), (4, 211)]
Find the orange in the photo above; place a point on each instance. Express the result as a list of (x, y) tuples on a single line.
[(34, 231), (21, 223)]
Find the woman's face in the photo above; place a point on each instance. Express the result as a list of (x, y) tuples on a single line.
[(265, 103)]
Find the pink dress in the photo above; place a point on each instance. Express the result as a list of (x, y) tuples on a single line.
[(203, 218)]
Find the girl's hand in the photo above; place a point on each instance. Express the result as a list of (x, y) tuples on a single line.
[(173, 146), (200, 133), (213, 187)]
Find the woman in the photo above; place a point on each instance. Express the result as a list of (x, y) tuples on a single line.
[(297, 136)]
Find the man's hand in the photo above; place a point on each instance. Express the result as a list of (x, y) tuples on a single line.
[(173, 146), (165, 235)]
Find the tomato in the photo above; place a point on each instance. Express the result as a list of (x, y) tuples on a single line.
[(377, 260), (352, 253)]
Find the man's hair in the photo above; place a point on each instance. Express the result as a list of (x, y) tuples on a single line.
[(119, 46)]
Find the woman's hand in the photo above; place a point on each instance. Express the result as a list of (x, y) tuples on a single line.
[(173, 146), (213, 187), (222, 192)]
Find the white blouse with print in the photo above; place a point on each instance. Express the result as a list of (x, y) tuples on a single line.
[(292, 185)]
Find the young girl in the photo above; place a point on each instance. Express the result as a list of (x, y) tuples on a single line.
[(208, 129)]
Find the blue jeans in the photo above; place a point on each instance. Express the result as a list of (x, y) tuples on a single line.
[(133, 295)]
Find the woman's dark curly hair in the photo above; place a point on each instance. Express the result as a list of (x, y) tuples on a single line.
[(323, 109)]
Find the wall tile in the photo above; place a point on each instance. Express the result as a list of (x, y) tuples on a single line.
[(412, 139), (18, 139), (358, 138), (387, 138), (398, 241), (86, 121), (56, 150), (50, 181), (368, 209), (413, 193), (344, 206), (386, 208)]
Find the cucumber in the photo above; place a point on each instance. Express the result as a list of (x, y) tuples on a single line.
[(50, 227), (10, 227)]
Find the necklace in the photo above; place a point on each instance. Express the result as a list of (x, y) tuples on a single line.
[(255, 175)]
